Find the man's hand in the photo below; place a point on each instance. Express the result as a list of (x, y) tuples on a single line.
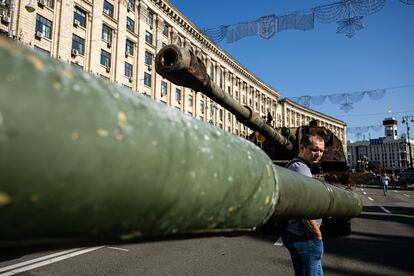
[(313, 226)]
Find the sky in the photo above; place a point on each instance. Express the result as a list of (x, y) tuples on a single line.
[(322, 62)]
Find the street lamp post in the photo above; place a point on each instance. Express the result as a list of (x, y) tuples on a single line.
[(405, 121)]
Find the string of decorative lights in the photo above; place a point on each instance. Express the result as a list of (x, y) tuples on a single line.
[(345, 100), (363, 129), (348, 14), (392, 113)]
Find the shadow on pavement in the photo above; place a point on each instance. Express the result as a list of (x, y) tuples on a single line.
[(17, 249), (398, 214), (382, 250)]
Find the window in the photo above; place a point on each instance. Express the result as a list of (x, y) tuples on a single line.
[(190, 100), (78, 43), (76, 65), (128, 70), (129, 47), (41, 50), (105, 58), (221, 79), (106, 34), (131, 5), (165, 30), (105, 78), (150, 18), (178, 95), (148, 37), (130, 25), (79, 17), (163, 89), (44, 26), (108, 8), (212, 72), (147, 79), (148, 58), (202, 107), (48, 3)]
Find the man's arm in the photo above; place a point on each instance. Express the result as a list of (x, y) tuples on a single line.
[(312, 225)]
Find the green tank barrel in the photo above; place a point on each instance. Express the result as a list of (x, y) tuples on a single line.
[(182, 67), (83, 158)]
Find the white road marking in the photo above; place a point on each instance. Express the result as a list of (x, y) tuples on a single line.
[(395, 191), (406, 195), (279, 242), (364, 193), (370, 198), (362, 189), (385, 210), (37, 260), (45, 260), (117, 248)]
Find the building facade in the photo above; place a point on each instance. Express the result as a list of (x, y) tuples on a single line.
[(118, 40), (389, 153), (294, 115)]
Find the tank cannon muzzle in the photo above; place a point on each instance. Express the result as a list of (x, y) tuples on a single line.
[(182, 67)]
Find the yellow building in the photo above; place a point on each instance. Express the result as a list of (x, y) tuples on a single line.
[(118, 40)]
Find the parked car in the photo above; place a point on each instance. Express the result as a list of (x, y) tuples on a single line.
[(406, 177)]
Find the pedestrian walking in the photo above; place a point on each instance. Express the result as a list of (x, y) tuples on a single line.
[(384, 179)]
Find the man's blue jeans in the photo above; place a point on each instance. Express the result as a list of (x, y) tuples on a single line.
[(306, 254)]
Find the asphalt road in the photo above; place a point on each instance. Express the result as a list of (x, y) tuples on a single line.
[(381, 243)]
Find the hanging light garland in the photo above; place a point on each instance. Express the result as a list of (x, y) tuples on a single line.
[(348, 14), (349, 26), (345, 100), (360, 131), (407, 2), (363, 129)]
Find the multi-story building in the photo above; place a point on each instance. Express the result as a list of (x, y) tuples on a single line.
[(294, 115), (118, 40), (390, 152)]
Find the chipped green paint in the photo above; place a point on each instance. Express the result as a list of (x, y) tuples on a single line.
[(80, 157)]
